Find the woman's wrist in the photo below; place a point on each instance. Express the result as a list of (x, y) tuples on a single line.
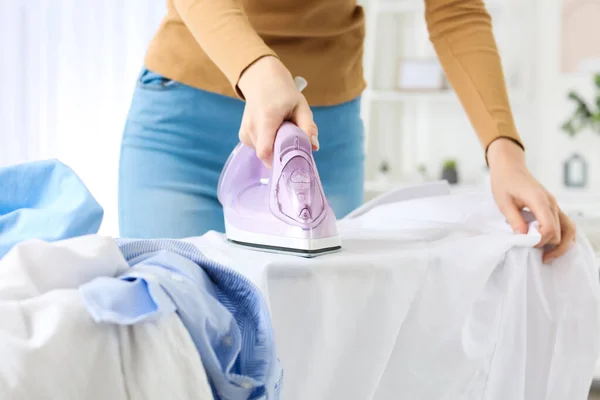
[(504, 152), (260, 70)]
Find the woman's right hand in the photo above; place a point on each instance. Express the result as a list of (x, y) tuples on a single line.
[(272, 98)]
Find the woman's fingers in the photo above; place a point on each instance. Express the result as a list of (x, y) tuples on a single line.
[(245, 130), (557, 221), (259, 127), (568, 234), (541, 206), (557, 230), (513, 216), (267, 125), (303, 117), (511, 179), (258, 130), (272, 96)]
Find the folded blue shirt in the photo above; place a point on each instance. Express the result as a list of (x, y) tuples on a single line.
[(225, 313), (44, 200)]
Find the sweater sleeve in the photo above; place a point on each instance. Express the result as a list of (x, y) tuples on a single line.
[(223, 31), (461, 32)]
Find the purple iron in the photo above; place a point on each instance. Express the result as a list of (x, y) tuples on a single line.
[(282, 209)]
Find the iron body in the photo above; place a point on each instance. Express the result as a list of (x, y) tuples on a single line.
[(282, 209)]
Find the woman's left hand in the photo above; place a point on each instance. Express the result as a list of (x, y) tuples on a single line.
[(515, 188)]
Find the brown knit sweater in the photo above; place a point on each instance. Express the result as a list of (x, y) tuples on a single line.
[(207, 44)]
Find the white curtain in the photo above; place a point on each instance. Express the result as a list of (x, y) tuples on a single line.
[(67, 73)]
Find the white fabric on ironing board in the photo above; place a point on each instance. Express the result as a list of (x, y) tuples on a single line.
[(431, 298), (52, 349)]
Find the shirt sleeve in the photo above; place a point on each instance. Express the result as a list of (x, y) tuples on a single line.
[(225, 34), (461, 32)]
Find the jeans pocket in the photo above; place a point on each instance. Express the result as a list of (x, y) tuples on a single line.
[(152, 80)]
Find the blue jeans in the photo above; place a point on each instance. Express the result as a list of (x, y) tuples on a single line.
[(176, 141)]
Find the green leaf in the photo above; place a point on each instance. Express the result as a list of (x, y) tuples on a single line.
[(450, 164), (582, 107), (568, 128), (583, 114), (583, 111)]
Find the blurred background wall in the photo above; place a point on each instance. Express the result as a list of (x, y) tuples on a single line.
[(68, 70)]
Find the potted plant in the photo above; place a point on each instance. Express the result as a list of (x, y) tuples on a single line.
[(584, 116), (449, 172)]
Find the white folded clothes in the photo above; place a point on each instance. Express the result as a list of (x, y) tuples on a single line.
[(52, 348)]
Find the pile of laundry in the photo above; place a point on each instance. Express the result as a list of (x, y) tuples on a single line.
[(432, 297), (92, 317)]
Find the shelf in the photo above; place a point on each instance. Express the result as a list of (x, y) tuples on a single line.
[(415, 141)]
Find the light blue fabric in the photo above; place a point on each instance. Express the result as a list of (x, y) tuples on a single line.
[(133, 298), (225, 314), (176, 141), (44, 200)]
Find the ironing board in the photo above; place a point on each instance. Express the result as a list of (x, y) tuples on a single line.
[(590, 227), (432, 297)]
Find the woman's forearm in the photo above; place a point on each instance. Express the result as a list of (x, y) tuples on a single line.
[(223, 31), (461, 32)]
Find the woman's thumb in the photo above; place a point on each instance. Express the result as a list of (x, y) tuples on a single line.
[(303, 117)]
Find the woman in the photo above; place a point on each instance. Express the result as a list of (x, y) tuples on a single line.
[(219, 69)]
